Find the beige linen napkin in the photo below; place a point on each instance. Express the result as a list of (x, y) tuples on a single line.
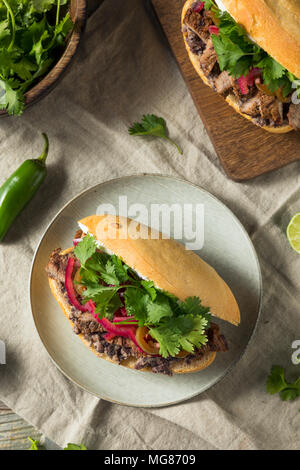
[(125, 69)]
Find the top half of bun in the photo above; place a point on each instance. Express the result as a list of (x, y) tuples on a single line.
[(274, 25), (165, 262)]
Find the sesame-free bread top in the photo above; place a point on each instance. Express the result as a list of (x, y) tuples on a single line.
[(166, 262), (274, 25)]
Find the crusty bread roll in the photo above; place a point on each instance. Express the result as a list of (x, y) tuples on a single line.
[(165, 262), (236, 8), (274, 25), (178, 367)]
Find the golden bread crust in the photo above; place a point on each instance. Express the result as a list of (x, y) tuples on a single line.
[(165, 262)]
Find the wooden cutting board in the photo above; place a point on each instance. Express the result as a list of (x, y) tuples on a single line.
[(245, 151)]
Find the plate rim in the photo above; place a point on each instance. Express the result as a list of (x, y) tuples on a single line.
[(225, 207)]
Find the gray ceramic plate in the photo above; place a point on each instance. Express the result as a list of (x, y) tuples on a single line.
[(227, 248)]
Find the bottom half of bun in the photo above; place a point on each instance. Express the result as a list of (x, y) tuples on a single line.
[(177, 367)]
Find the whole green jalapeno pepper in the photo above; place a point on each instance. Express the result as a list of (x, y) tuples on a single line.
[(20, 188)]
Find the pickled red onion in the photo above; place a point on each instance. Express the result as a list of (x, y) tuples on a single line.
[(248, 80), (199, 7), (213, 29), (243, 84), (70, 286)]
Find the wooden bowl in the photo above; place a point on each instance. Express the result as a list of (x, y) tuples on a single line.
[(78, 13)]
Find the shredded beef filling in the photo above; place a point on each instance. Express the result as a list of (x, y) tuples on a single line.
[(294, 116), (265, 110), (119, 349), (56, 266)]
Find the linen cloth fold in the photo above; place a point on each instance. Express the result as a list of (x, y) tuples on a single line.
[(123, 70)]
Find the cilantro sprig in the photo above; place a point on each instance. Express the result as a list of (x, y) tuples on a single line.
[(277, 383), (154, 126), (32, 36), (174, 324), (71, 446), (36, 445), (238, 54)]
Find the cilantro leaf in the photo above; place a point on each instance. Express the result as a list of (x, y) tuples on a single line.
[(136, 304), (276, 383), (121, 269), (272, 71), (64, 26), (152, 125), (208, 4), (289, 394), (75, 447), (96, 290), (11, 98), (195, 337), (34, 444), (42, 6), (89, 277), (168, 338), (150, 288), (193, 306), (109, 275), (106, 298), (228, 53), (97, 261), (85, 249), (109, 308), (183, 332), (271, 68), (4, 29), (159, 309)]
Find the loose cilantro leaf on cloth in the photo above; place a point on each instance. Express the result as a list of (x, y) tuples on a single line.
[(175, 325), (75, 447), (276, 383), (153, 126), (238, 54), (32, 37), (36, 445)]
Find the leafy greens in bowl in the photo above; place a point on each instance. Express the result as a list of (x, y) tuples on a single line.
[(34, 36)]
